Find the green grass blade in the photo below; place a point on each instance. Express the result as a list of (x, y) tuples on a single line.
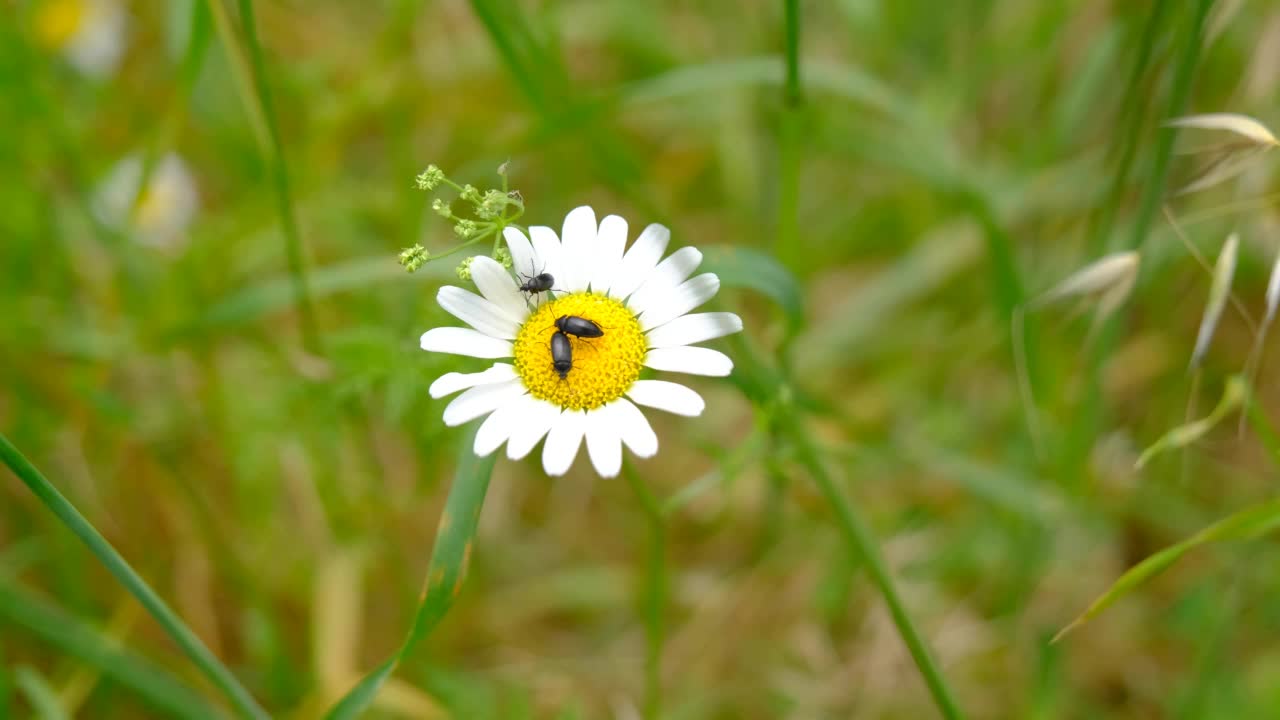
[(789, 136), (78, 639), (861, 543), (1129, 141), (250, 304), (751, 269), (1244, 525), (1157, 174), (449, 558), (115, 563), (42, 698), (280, 179)]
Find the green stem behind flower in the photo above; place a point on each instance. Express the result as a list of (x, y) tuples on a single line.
[(655, 594), (115, 563), (862, 544)]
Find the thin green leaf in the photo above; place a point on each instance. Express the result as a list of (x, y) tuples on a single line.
[(277, 294), (449, 558), (1243, 525), (115, 563), (751, 269), (1233, 396), (76, 638)]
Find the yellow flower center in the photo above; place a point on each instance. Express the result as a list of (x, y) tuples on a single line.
[(603, 368), (57, 21)]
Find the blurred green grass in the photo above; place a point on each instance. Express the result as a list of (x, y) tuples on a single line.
[(284, 501)]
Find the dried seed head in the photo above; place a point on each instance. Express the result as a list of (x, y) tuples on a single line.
[(1111, 276), (1219, 292), (1242, 125)]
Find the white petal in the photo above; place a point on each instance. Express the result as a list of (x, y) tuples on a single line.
[(695, 328), (667, 396), (497, 428), (464, 341), (547, 254), (578, 243), (639, 261), (522, 260), (497, 286), (689, 295), (610, 240), (450, 383), (634, 428), (481, 400), (563, 441), (477, 312), (691, 360), (665, 278), (538, 416), (604, 443)]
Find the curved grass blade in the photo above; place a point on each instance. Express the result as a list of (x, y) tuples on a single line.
[(1244, 525), (78, 639), (115, 563), (1233, 397), (754, 270), (445, 573)]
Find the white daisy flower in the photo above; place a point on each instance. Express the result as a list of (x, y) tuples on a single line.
[(642, 308), (161, 213), (91, 34)]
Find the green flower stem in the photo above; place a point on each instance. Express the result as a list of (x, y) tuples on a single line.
[(862, 543), (187, 640), (655, 595), (280, 176), (789, 141)]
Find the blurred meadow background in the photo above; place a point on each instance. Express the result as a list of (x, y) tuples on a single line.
[(207, 346)]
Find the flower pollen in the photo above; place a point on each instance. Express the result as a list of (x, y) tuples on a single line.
[(603, 368)]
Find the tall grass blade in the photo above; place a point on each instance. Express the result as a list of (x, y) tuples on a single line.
[(76, 638), (115, 563), (448, 566), (655, 593), (1244, 525)]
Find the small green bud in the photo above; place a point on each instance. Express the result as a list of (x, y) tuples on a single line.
[(430, 178), (442, 208), (491, 205), (465, 228), (471, 194), (414, 257), (503, 256), (464, 269), (502, 169)]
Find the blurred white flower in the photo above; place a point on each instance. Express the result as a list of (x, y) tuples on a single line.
[(157, 215), (580, 382), (91, 34)]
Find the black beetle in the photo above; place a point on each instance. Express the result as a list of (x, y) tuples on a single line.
[(561, 354), (577, 326), (538, 282)]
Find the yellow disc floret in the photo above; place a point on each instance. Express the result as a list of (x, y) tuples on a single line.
[(603, 368)]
